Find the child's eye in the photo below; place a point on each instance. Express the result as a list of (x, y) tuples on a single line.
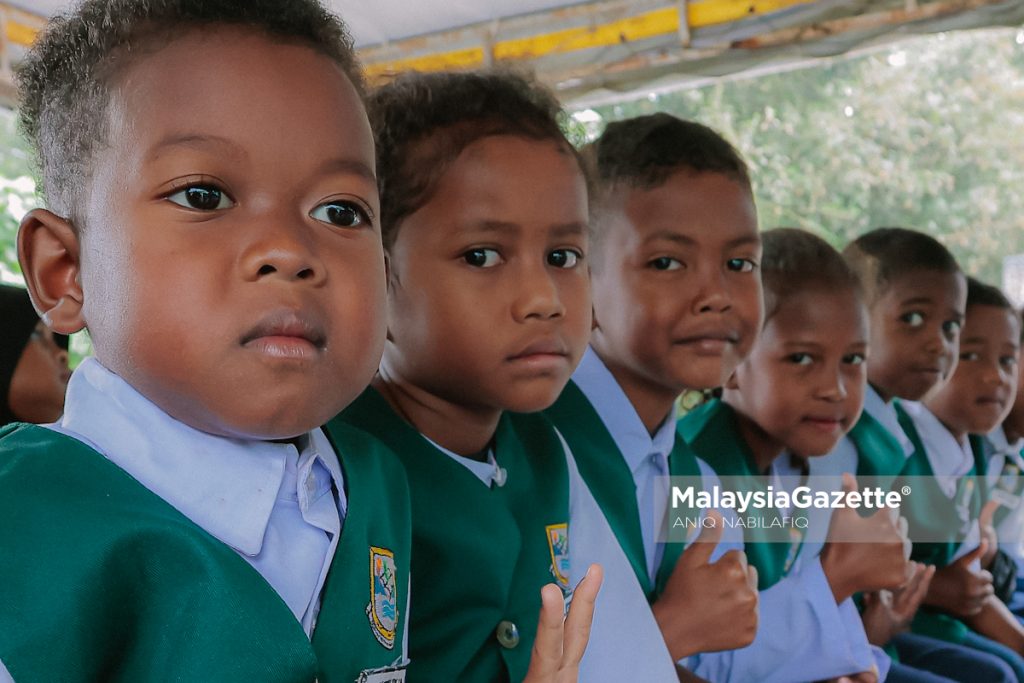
[(665, 263), (1008, 361), (969, 356), (202, 198), (951, 327), (342, 214), (854, 359), (482, 258), (914, 318), (800, 358), (740, 265), (564, 258)]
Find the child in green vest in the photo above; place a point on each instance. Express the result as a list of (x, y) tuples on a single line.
[(916, 295), (33, 362), (677, 302), (792, 398), (208, 172), (484, 217), (948, 427)]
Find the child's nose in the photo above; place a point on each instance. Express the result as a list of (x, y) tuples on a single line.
[(538, 297), (284, 254)]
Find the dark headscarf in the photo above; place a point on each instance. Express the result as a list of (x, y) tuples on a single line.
[(17, 320)]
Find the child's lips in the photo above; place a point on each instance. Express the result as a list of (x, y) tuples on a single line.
[(825, 423), (545, 354), (286, 334), (711, 343)]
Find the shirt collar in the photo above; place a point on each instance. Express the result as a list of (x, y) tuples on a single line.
[(618, 414), (1001, 445), (949, 458), (486, 471), (226, 486), (886, 415)]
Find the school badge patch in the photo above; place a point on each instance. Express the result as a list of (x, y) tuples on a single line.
[(383, 608), (558, 544)]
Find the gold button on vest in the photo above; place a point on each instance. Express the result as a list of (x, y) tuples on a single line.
[(508, 634)]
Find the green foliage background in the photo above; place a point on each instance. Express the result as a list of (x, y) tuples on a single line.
[(926, 133)]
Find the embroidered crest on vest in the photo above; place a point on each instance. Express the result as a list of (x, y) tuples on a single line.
[(558, 544), (383, 608)]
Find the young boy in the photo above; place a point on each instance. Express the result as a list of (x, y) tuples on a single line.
[(677, 300), (485, 226), (796, 394), (974, 401), (916, 296), (209, 172), (33, 362)]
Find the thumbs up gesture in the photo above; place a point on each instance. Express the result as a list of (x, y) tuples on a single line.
[(960, 589), (864, 553), (988, 532), (708, 606)]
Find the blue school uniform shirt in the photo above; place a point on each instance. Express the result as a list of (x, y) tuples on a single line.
[(950, 460), (625, 641), (1010, 529), (279, 506), (802, 634)]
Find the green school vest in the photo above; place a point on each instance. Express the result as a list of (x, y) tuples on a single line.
[(880, 455), (930, 513), (713, 432), (481, 554), (100, 579), (604, 469)]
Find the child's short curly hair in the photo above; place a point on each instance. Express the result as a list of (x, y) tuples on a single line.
[(423, 121), (66, 80), (881, 255), (794, 261), (644, 151)]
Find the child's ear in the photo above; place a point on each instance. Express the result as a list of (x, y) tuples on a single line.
[(732, 382), (48, 250)]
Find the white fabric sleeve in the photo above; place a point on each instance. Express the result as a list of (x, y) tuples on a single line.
[(625, 642)]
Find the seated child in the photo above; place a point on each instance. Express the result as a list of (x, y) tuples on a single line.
[(1005, 467), (947, 429), (484, 218), (792, 398), (876, 449), (916, 296), (677, 299), (33, 362)]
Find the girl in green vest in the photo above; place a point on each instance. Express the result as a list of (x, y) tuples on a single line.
[(484, 218), (794, 397)]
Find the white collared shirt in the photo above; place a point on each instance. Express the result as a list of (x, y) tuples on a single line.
[(950, 459), (803, 634), (280, 508), (1010, 528)]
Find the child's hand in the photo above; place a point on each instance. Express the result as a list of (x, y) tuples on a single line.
[(988, 532), (864, 553), (959, 589), (862, 677), (889, 613), (708, 607), (560, 644)]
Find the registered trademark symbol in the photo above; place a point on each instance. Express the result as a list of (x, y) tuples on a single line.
[(906, 490)]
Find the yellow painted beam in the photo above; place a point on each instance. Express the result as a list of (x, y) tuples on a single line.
[(635, 28), (21, 34)]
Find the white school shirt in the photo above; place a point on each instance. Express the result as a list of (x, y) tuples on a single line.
[(625, 641), (950, 460), (802, 634), (280, 508), (1010, 529)]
